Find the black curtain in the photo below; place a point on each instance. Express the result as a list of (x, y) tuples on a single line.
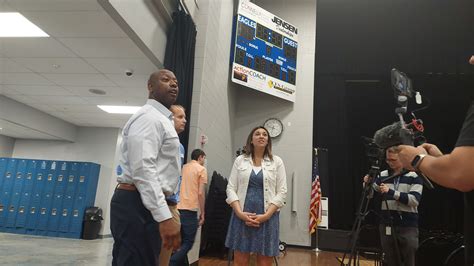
[(358, 42), (179, 58)]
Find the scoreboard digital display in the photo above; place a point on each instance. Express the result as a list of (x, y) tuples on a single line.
[(265, 52)]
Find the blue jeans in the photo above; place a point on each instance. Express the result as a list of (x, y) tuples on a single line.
[(189, 226)]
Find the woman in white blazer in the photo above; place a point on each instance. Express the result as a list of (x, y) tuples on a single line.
[(256, 191)]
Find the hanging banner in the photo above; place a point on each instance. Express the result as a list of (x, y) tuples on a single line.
[(265, 52)]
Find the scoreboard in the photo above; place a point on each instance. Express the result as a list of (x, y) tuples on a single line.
[(265, 52)]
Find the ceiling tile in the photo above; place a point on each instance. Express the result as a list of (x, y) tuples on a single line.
[(132, 81), (9, 66), (84, 91), (141, 92), (76, 24), (56, 65), (40, 90), (105, 100), (95, 80), (83, 108), (119, 65), (55, 5), (4, 89), (24, 79), (103, 47), (58, 100), (46, 108), (33, 47), (21, 98)]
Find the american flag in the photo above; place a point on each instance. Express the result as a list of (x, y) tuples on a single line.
[(315, 205)]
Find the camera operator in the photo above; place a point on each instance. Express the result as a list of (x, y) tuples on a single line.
[(455, 170), (402, 194)]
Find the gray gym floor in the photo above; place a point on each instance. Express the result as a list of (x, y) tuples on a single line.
[(38, 250)]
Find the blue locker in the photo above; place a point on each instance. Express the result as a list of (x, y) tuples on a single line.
[(61, 177), (47, 198), (13, 208), (59, 189), (55, 215), (26, 195), (5, 192), (77, 215), (42, 168), (44, 214), (88, 178), (3, 168), (50, 181), (68, 200)]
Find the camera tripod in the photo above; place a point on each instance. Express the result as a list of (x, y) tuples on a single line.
[(362, 211)]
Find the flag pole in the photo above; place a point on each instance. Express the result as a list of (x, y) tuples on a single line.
[(317, 250)]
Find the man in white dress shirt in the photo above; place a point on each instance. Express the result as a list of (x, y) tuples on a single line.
[(148, 171)]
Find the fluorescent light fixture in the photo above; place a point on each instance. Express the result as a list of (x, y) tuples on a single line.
[(14, 24), (112, 109)]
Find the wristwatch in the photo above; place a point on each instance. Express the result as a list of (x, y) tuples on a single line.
[(417, 161)]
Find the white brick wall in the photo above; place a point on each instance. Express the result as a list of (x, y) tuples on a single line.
[(226, 112), (213, 102), (294, 146)]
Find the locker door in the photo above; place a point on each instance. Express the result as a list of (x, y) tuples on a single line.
[(77, 215), (20, 175), (5, 193), (59, 189), (3, 171), (47, 199), (88, 178), (34, 208), (68, 201), (26, 195)]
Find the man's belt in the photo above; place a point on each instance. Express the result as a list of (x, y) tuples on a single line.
[(126, 186), (132, 187)]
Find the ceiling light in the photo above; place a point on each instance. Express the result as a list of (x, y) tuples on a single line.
[(97, 91), (111, 109), (14, 24)]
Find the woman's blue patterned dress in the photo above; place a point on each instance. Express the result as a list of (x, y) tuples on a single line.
[(263, 240)]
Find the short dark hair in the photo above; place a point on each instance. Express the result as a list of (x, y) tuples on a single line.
[(197, 153)]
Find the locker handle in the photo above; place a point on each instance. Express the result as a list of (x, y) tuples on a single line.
[(43, 210), (54, 211), (39, 177), (60, 178), (28, 176), (71, 178), (50, 177), (21, 209), (18, 175), (8, 175), (12, 208), (82, 178), (1, 207), (32, 210), (64, 212)]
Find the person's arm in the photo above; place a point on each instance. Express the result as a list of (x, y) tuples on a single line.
[(202, 196), (232, 184), (455, 170), (281, 188)]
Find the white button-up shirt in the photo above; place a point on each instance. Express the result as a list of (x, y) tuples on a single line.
[(149, 157), (274, 181)]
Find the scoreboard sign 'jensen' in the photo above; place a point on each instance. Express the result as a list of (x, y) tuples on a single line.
[(265, 52)]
